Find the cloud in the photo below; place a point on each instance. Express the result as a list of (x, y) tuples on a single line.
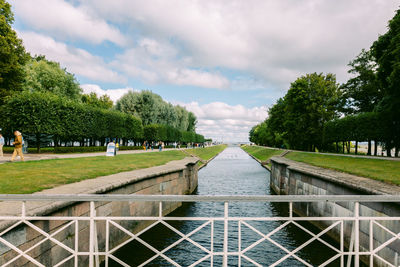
[(114, 94), (224, 122), (274, 41), (76, 60), (66, 21), (160, 62)]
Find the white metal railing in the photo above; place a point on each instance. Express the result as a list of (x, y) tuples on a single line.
[(344, 252)]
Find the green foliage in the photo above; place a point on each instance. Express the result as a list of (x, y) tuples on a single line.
[(297, 120), (310, 102), (152, 109), (92, 99), (12, 55), (47, 76), (159, 132), (362, 93), (39, 113), (360, 127), (386, 50)]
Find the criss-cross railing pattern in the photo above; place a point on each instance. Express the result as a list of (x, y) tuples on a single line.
[(345, 252)]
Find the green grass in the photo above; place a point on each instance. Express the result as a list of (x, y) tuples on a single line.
[(383, 170), (206, 153), (32, 176), (261, 153)]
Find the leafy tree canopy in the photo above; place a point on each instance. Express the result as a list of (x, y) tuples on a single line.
[(92, 99), (12, 55), (43, 75)]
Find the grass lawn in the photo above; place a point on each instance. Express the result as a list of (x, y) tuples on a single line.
[(378, 169), (261, 153), (206, 153), (32, 176)]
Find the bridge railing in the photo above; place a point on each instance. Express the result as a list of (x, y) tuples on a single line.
[(347, 251)]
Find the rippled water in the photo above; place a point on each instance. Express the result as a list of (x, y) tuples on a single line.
[(233, 172)]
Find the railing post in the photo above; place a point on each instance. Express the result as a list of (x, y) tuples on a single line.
[(342, 243), (371, 243), (357, 234), (107, 243), (76, 243), (91, 234), (225, 261), (212, 244), (239, 243)]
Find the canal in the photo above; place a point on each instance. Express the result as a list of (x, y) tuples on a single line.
[(232, 172)]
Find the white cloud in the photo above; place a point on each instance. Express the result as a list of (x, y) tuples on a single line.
[(224, 122), (76, 60), (274, 41), (157, 62), (114, 94), (66, 21)]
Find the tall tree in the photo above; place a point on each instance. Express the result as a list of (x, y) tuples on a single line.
[(47, 76), (362, 93), (12, 54), (386, 50), (143, 104), (310, 102), (192, 121)]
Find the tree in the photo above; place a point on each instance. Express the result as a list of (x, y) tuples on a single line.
[(46, 114), (362, 92), (143, 105), (182, 117), (12, 55), (192, 121), (47, 76), (310, 102), (92, 99), (386, 50), (152, 109)]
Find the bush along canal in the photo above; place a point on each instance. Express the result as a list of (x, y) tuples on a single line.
[(232, 172)]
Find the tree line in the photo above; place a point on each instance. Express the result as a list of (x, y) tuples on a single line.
[(317, 113), (45, 102)]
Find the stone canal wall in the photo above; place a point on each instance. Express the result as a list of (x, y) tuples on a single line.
[(173, 178), (294, 178)]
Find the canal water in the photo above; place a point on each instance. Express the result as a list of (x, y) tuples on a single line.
[(232, 172)]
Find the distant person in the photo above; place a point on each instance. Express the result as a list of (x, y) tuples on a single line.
[(144, 145), (17, 146), (116, 148), (1, 145), (24, 146), (160, 146)]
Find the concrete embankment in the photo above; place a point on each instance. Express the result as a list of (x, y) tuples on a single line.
[(173, 178), (289, 177)]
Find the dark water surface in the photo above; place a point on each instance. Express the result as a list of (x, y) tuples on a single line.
[(233, 172)]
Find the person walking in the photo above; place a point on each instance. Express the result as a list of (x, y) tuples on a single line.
[(1, 145), (17, 146)]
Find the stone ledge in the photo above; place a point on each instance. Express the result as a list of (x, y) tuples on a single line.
[(99, 185), (362, 184)]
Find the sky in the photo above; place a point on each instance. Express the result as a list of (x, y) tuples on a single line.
[(227, 61)]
